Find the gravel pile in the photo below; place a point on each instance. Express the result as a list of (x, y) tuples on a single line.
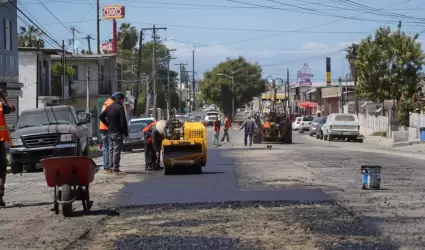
[(246, 225)]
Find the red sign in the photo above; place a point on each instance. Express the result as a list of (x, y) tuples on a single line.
[(107, 47), (113, 12)]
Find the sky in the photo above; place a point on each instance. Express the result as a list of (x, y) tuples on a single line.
[(277, 34)]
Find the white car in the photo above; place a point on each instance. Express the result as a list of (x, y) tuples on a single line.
[(305, 123), (342, 126), (296, 125), (145, 120), (210, 117)]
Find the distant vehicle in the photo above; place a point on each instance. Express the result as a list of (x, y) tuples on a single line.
[(342, 126), (145, 120), (305, 123), (296, 125), (210, 117), (135, 135), (313, 126), (47, 132), (319, 133)]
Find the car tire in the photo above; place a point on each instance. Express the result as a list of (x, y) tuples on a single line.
[(360, 140), (330, 138), (17, 167)]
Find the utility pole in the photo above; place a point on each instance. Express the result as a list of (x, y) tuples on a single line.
[(89, 38), (139, 71), (154, 29), (169, 58), (181, 83), (193, 80), (98, 26), (73, 29), (88, 91), (341, 99), (288, 92), (63, 70)]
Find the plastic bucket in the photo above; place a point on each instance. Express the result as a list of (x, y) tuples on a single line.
[(371, 177)]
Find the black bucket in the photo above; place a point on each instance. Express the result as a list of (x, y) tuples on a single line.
[(371, 177)]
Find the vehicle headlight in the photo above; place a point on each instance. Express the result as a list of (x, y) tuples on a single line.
[(17, 142), (68, 137)]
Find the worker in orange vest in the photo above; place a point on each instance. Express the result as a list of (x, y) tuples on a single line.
[(5, 108), (103, 129)]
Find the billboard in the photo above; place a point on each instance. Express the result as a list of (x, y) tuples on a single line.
[(107, 47), (111, 12)]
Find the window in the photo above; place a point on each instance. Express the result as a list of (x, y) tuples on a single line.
[(75, 77), (345, 118)]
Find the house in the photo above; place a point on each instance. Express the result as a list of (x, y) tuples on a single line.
[(35, 74), (9, 72), (101, 74)]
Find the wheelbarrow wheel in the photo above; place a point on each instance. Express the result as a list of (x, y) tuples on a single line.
[(66, 196)]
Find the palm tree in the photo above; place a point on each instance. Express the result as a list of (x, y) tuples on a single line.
[(30, 37), (351, 56), (127, 37)]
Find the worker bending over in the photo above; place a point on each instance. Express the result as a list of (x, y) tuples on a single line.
[(154, 134)]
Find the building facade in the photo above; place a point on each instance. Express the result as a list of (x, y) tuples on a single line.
[(9, 70)]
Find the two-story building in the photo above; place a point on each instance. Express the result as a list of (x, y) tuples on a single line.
[(35, 66), (101, 75), (9, 72)]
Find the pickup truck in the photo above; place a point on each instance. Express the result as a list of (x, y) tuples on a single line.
[(47, 132)]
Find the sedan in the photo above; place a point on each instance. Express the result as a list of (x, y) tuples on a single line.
[(313, 126), (136, 139)]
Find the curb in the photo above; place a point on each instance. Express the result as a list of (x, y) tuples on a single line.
[(404, 144)]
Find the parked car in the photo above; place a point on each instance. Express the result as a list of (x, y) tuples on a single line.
[(136, 139), (342, 126), (47, 132), (319, 133), (313, 126), (305, 123), (145, 120), (296, 125)]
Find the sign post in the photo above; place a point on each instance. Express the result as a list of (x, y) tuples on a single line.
[(328, 71), (113, 12)]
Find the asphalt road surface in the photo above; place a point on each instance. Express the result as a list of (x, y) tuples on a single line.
[(306, 195)]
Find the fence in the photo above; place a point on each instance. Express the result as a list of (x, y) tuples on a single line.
[(370, 124), (96, 88)]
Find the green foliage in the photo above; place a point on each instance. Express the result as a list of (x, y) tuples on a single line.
[(388, 66), (30, 37), (57, 70), (409, 105), (247, 83)]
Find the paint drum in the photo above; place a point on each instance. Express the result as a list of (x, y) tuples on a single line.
[(371, 177)]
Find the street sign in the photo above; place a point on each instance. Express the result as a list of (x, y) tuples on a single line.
[(107, 47), (111, 12)]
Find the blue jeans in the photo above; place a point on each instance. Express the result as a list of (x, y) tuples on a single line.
[(105, 149)]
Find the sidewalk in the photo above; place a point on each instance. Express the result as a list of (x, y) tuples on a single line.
[(387, 142)]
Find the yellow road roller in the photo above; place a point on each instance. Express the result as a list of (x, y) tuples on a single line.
[(189, 152)]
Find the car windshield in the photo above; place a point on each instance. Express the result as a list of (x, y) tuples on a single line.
[(308, 118), (212, 114), (45, 116), (345, 118), (136, 127)]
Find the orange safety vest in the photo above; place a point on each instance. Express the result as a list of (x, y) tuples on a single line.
[(266, 125), (108, 102), (147, 128), (4, 132)]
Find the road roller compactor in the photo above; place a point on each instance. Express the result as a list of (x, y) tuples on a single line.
[(184, 147)]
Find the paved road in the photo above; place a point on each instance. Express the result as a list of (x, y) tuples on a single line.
[(309, 171)]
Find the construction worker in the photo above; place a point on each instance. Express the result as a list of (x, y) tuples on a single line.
[(104, 134), (5, 108), (216, 133), (249, 127), (154, 134), (227, 126)]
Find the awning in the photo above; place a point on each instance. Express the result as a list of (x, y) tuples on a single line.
[(308, 104), (311, 91)]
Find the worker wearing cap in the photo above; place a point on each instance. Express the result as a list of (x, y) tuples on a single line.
[(5, 108), (104, 134), (114, 118)]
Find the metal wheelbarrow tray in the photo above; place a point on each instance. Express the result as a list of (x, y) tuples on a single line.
[(70, 177)]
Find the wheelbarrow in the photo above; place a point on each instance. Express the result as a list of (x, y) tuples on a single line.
[(70, 177)]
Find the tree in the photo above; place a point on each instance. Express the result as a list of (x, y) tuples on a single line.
[(351, 56), (30, 37), (388, 68), (57, 71), (247, 83), (127, 37)]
